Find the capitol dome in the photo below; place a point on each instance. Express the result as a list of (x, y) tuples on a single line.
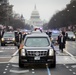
[(35, 13), (35, 20)]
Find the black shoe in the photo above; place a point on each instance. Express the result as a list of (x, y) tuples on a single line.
[(62, 51)]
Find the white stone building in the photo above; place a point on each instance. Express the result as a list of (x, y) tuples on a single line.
[(35, 20)]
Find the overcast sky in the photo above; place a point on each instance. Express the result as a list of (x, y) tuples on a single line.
[(46, 8)]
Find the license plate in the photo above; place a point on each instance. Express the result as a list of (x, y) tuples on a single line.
[(8, 41), (36, 58)]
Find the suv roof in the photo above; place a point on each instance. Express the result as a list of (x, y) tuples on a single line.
[(38, 34)]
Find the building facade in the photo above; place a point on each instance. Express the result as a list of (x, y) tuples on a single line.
[(35, 20)]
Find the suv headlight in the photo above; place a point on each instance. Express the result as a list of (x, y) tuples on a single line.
[(23, 52), (13, 39), (51, 52), (2, 39), (73, 36)]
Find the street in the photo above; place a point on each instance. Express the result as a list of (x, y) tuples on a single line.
[(37, 37), (65, 62)]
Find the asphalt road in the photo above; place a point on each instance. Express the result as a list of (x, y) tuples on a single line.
[(71, 47), (13, 69), (65, 63)]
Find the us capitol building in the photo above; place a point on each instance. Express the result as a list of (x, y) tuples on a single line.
[(35, 20)]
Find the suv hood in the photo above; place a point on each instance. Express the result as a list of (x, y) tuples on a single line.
[(37, 48)]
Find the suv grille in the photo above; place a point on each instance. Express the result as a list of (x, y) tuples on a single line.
[(37, 53)]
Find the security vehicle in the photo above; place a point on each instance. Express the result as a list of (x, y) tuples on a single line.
[(36, 49), (8, 38), (54, 37), (70, 36)]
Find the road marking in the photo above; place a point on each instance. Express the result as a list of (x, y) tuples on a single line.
[(7, 47), (73, 66), (33, 72), (32, 69), (15, 65), (15, 53), (3, 62), (67, 66), (5, 69), (70, 55), (5, 57), (4, 72), (16, 71), (74, 73), (70, 69), (1, 51), (7, 66), (48, 70), (14, 59)]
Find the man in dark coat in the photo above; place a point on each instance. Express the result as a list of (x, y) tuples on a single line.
[(61, 41)]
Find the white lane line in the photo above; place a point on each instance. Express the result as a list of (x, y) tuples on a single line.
[(15, 65), (48, 70), (15, 53), (70, 69), (1, 51), (67, 66), (33, 72), (73, 66), (5, 69), (4, 72), (74, 73), (16, 71), (8, 47), (70, 55), (32, 69), (14, 59), (6, 57), (7, 66), (3, 62)]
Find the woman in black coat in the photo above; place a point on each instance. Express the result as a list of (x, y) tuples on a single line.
[(61, 41)]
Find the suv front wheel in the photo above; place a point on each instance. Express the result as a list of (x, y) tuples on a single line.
[(2, 44), (53, 65), (20, 64)]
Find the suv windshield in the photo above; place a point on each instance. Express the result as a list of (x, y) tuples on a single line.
[(37, 42), (54, 35), (70, 33), (8, 35)]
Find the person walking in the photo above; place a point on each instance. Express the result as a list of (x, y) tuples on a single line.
[(61, 41)]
